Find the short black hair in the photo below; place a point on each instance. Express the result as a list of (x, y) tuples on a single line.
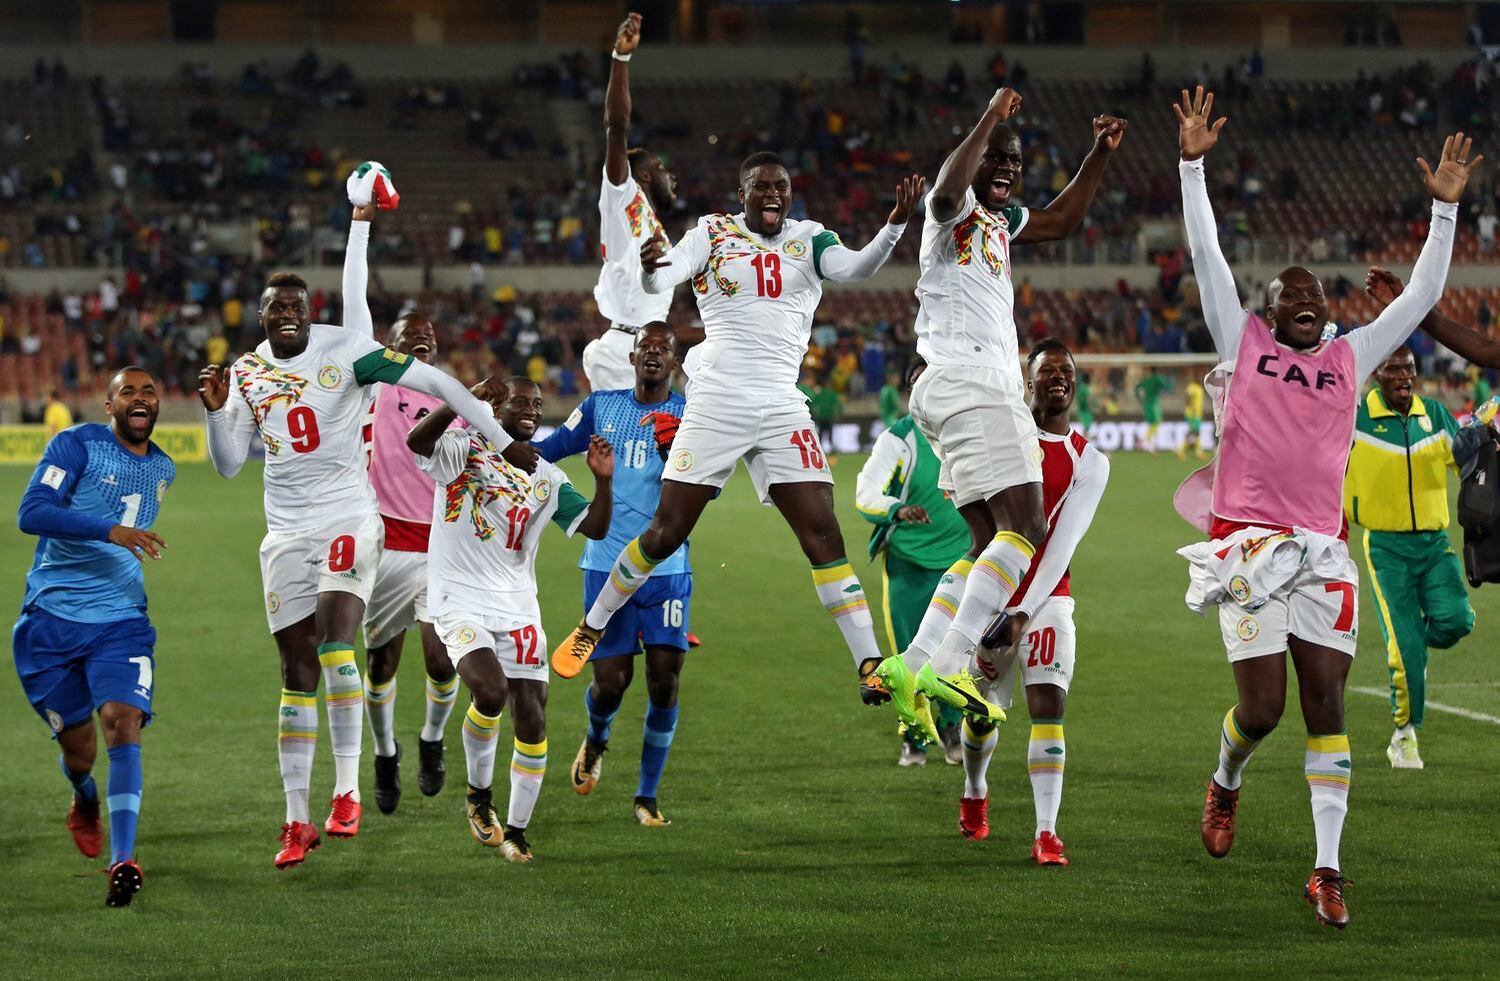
[(638, 157), (281, 279), (114, 378), (1044, 345), (760, 159)]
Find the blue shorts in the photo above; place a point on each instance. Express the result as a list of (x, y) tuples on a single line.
[(656, 616), (68, 670)]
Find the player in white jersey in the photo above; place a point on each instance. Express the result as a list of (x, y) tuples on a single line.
[(1035, 636), (487, 521), (970, 402), (758, 276), (303, 389), (636, 187)]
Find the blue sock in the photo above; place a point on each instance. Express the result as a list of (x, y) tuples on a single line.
[(656, 741), (124, 799), (83, 783), (601, 715)]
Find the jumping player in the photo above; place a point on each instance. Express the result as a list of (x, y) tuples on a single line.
[(487, 521), (1038, 632), (83, 643), (303, 389), (640, 424), (758, 276), (1277, 567), (971, 401)]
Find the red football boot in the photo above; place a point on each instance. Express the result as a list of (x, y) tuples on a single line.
[(83, 824), (1324, 892), (1217, 828), (343, 820), (974, 817), (1048, 850), (125, 880), (297, 839)]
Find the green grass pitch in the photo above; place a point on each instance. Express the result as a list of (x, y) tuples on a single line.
[(798, 847)]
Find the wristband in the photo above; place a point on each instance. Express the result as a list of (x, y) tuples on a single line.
[(619, 57)]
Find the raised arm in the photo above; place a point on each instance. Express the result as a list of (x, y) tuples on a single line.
[(594, 524), (836, 262), (424, 378), (1216, 290), (1068, 528), (663, 270), (357, 273), (230, 424), (1467, 342), (1059, 219), (617, 101), (958, 170)]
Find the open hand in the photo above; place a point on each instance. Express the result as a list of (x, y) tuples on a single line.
[(1382, 285), (629, 36), (651, 252), (601, 458), (1004, 104), (213, 387), (138, 541), (1195, 136), (1109, 131), (1447, 182), (908, 193)]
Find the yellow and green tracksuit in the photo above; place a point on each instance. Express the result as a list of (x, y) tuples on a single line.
[(1397, 488)]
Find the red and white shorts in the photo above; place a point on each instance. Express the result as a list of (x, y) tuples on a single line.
[(1043, 656)]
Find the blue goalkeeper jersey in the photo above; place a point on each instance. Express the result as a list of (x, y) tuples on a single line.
[(628, 426), (85, 484)]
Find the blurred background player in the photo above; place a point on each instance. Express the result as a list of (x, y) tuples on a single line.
[(303, 389), (1278, 495), (1085, 403), (970, 403), (759, 277), (1037, 632), (1149, 391), (636, 188), (83, 643), (919, 535), (639, 424), (56, 416), (488, 519), (1193, 395), (1397, 489)]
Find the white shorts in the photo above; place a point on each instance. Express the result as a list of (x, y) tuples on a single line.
[(1310, 607), (519, 643), (778, 443), (1044, 654), (980, 428), (399, 600), (606, 361), (296, 567)]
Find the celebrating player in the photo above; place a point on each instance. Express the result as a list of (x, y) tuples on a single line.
[(83, 643), (487, 520), (971, 401), (758, 276), (1037, 631), (639, 424), (1277, 567), (302, 388), (1193, 394)]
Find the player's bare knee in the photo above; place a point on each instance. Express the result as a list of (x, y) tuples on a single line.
[(662, 689), (1045, 701), (122, 723), (664, 537), (529, 711), (383, 663), (1258, 719)]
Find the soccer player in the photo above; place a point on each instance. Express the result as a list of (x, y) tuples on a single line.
[(1085, 402), (83, 643), (639, 424), (1193, 395), (1037, 632), (1149, 390), (758, 276), (1276, 567), (1397, 488), (636, 188), (303, 389), (487, 521), (970, 403), (919, 534)]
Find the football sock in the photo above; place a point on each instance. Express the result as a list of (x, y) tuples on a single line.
[(1045, 756), (991, 583), (297, 740), (84, 787), (844, 598), (602, 709), (480, 738), (528, 764), (1234, 752), (1327, 768), (440, 698), (977, 753), (939, 615), (630, 572), (343, 694), (656, 742), (124, 799), (380, 706)]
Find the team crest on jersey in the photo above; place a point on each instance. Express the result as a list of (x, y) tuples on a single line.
[(1425, 423), (981, 235), (682, 461), (273, 602), (329, 376), (796, 248), (1239, 588), (54, 720), (264, 386), (1248, 629), (542, 490)]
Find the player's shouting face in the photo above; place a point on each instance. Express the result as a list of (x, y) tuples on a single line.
[(132, 405), (999, 169), (285, 316), (1296, 307), (414, 334), (655, 354), (766, 193), (521, 411)]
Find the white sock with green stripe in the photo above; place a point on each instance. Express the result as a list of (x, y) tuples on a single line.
[(481, 734), (1327, 767), (1046, 755), (296, 744), (977, 752), (343, 694), (991, 583), (440, 698), (939, 616), (380, 708), (1235, 749), (843, 597), (631, 570), (528, 764)]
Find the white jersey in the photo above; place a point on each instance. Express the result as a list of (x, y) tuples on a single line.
[(311, 411), (487, 519), (966, 307), (626, 222)]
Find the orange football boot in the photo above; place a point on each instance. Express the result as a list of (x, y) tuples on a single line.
[(1217, 828), (1324, 892)]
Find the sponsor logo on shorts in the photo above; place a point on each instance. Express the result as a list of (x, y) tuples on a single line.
[(542, 490), (54, 720), (796, 249), (273, 602), (329, 376), (465, 635), (1248, 629), (1239, 588), (682, 461)]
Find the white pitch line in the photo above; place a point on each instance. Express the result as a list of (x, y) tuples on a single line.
[(1436, 706)]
